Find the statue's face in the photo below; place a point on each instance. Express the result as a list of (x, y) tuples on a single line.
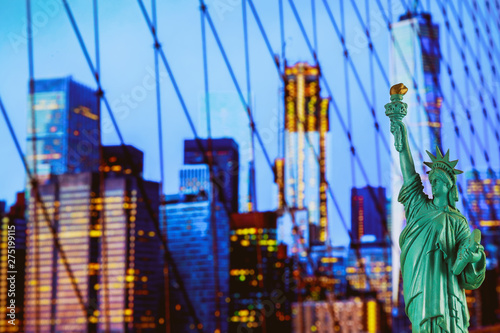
[(439, 187)]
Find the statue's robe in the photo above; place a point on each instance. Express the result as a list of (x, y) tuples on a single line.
[(434, 296)]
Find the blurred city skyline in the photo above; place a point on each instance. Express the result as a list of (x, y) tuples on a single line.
[(127, 73), (277, 173)]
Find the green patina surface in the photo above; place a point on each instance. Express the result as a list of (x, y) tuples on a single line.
[(435, 233)]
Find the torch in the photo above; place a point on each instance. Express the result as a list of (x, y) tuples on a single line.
[(396, 111)]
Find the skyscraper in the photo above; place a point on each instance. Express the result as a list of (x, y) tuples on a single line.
[(306, 125), (225, 167), (368, 214), (13, 264), (132, 278), (66, 123), (199, 261), (116, 264), (261, 278), (414, 58)]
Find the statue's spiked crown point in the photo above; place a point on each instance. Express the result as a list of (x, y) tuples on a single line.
[(443, 162)]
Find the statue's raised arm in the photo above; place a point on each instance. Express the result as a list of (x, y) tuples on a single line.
[(396, 110)]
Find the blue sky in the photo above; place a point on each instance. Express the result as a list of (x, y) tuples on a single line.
[(127, 63)]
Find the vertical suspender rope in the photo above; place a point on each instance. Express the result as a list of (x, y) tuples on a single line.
[(328, 238), (314, 24), (349, 124), (102, 186), (252, 202), (158, 101), (453, 101), (34, 180), (163, 217), (214, 190), (467, 83), (347, 95), (281, 69), (478, 58), (374, 93), (387, 236)]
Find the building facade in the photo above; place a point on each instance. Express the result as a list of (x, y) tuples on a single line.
[(304, 165), (201, 261), (110, 244), (368, 214), (225, 166), (261, 276)]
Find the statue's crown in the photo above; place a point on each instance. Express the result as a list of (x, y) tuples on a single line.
[(443, 162)]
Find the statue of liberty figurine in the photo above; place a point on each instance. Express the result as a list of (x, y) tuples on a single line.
[(440, 257)]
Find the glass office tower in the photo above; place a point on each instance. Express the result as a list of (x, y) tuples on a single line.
[(190, 238), (414, 60), (66, 128)]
